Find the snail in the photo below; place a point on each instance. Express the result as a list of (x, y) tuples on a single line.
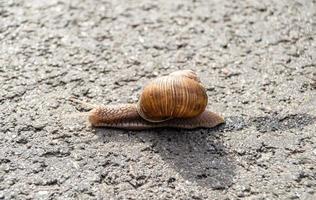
[(177, 100)]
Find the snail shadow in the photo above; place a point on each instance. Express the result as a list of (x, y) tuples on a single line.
[(197, 155)]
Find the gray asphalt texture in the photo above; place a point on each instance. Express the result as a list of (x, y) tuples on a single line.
[(256, 58)]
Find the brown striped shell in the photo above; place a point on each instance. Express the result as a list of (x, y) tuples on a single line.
[(178, 95)]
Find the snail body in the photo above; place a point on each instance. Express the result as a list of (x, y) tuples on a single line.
[(126, 116), (177, 100)]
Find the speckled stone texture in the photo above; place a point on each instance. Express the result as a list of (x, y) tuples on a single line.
[(256, 58)]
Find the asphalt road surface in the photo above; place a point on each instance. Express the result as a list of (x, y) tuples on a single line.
[(257, 60)]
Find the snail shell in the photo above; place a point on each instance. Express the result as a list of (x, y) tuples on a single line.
[(178, 95)]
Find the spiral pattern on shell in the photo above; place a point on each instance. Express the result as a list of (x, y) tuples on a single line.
[(178, 95)]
